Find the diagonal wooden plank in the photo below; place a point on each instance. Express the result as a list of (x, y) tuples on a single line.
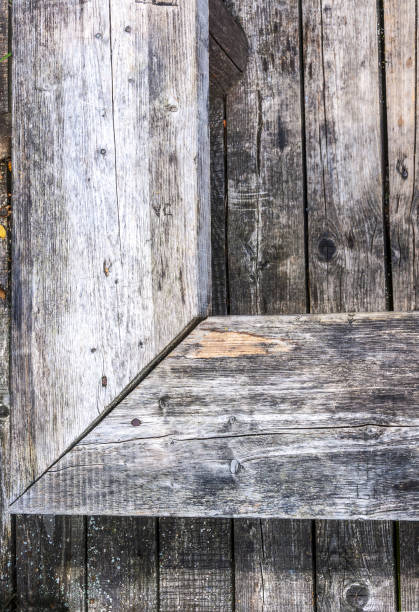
[(111, 231), (320, 408)]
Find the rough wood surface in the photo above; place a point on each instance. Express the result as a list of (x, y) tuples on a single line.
[(320, 408), (6, 537), (265, 166), (111, 225), (355, 566), (409, 566), (122, 564), (195, 566), (274, 565), (344, 172), (401, 63), (265, 244), (50, 563), (228, 49)]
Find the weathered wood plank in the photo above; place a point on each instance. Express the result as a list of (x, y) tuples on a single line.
[(121, 266), (265, 166), (50, 563), (274, 565), (6, 538), (355, 566), (344, 174), (321, 408), (122, 565), (401, 40), (228, 49), (195, 565), (409, 566)]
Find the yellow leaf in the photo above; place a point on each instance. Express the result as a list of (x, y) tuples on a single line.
[(3, 232)]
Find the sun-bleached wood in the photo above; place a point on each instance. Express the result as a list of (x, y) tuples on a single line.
[(305, 416), (111, 220)]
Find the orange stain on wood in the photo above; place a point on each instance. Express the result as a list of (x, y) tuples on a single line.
[(216, 344)]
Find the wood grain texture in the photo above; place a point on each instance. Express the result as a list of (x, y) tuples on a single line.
[(195, 565), (266, 247), (401, 41), (122, 570), (265, 166), (110, 254), (228, 48), (355, 566), (50, 563), (344, 172), (409, 566), (274, 565), (321, 408), (6, 537)]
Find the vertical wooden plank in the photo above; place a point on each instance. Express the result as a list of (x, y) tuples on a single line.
[(344, 174), (273, 564), (218, 206), (6, 540), (265, 176), (355, 566), (122, 564), (401, 38), (409, 566), (50, 563), (346, 246), (401, 65), (195, 566)]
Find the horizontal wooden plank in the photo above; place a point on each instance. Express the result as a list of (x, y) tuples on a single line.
[(301, 416), (111, 207)]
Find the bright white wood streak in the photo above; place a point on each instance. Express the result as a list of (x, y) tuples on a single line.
[(303, 416), (111, 211)]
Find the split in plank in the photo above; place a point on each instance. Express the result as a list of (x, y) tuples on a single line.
[(302, 417)]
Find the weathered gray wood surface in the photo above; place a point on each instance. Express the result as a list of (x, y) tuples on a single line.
[(228, 49), (111, 225), (355, 566), (273, 565), (401, 39), (195, 565), (408, 553), (122, 564), (304, 416), (50, 564)]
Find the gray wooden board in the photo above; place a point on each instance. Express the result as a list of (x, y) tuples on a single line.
[(355, 566), (409, 566), (111, 224), (122, 564), (401, 40), (320, 408), (50, 564), (195, 565), (274, 565)]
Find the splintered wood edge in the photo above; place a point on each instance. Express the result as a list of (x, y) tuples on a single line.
[(88, 477)]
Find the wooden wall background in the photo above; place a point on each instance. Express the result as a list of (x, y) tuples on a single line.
[(315, 208)]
